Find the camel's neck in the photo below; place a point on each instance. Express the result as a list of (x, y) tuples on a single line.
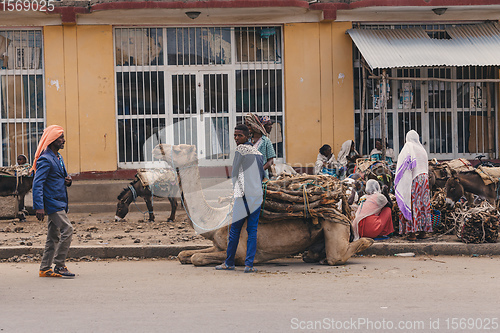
[(204, 217)]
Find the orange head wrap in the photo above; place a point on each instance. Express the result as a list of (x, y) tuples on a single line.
[(50, 134)]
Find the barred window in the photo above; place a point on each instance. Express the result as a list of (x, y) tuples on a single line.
[(450, 116), (191, 85), (22, 115)]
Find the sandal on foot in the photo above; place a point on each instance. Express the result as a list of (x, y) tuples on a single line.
[(249, 269), (423, 235), (411, 237), (224, 267)]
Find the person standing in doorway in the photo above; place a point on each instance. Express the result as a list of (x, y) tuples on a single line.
[(50, 197), (247, 176)]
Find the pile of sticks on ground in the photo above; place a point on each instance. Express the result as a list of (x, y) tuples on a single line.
[(305, 196), (478, 224), (447, 221)]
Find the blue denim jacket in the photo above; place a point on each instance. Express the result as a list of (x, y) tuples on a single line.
[(49, 191)]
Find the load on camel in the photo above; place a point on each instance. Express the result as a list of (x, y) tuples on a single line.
[(295, 217)]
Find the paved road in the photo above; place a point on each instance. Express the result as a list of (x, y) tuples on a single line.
[(368, 294)]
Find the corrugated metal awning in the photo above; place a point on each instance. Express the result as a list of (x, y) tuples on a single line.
[(470, 45)]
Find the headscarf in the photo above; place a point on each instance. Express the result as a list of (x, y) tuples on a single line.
[(344, 152), (50, 134), (370, 204), (24, 158), (412, 161), (265, 120), (253, 121)]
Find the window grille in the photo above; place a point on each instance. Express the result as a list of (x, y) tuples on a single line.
[(22, 116), (192, 85), (450, 116)]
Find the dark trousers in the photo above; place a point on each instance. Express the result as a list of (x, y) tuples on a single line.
[(234, 238)]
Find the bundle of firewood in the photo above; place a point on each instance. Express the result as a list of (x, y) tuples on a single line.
[(305, 196), (478, 224), (447, 220), (395, 213)]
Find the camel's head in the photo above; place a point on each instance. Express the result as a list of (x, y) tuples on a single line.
[(176, 156)]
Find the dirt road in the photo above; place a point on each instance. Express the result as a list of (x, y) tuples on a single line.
[(101, 229)]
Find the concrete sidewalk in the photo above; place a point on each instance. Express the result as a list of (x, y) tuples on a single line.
[(152, 251)]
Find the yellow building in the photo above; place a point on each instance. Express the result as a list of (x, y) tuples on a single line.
[(121, 77)]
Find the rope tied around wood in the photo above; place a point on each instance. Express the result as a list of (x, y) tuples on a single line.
[(306, 197)]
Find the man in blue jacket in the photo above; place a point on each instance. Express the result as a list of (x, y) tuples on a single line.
[(51, 197)]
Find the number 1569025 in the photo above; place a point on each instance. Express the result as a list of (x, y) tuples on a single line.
[(27, 5)]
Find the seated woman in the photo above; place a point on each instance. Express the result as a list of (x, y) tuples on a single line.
[(376, 153), (347, 158), (373, 217), (326, 164)]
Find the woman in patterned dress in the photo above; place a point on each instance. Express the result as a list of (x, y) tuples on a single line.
[(412, 189)]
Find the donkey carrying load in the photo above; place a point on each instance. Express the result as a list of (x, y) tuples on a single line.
[(149, 183)]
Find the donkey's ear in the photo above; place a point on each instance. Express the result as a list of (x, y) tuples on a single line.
[(453, 173)]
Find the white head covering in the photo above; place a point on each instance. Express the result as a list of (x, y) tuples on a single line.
[(372, 186), (371, 203), (344, 152), (412, 161)]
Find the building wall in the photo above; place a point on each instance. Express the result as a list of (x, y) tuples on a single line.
[(80, 91), (319, 100), (80, 94)]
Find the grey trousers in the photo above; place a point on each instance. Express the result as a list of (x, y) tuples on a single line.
[(59, 235)]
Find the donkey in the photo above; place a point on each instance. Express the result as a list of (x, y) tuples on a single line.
[(134, 190), (471, 182)]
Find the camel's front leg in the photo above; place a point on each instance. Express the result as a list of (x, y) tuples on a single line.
[(202, 259), (185, 256), (337, 246)]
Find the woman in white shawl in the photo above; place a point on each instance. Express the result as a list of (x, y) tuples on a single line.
[(412, 188), (347, 158), (374, 216), (326, 164)]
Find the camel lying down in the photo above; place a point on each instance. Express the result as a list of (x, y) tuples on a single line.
[(275, 239), (280, 239)]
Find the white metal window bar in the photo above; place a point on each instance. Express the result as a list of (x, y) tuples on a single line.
[(450, 116), (22, 108), (192, 84)]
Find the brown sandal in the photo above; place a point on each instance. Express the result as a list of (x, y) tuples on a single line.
[(423, 235), (411, 237)]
